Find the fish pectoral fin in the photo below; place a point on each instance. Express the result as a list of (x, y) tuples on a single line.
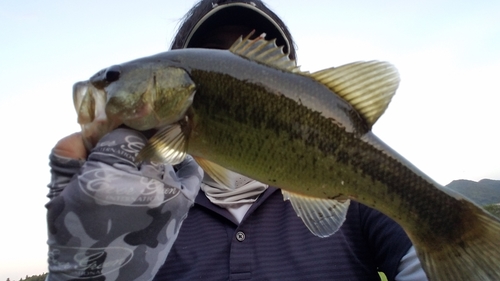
[(264, 51), (367, 86), (168, 145), (323, 217), (215, 171)]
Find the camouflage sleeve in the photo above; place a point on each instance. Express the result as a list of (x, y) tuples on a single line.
[(114, 220), (62, 169)]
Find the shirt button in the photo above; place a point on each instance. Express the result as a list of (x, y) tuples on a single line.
[(240, 236)]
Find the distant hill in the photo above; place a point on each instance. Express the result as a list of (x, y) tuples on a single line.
[(484, 192)]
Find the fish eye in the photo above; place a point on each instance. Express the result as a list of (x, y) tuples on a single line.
[(113, 73)]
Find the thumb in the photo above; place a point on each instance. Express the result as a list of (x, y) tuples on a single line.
[(71, 147)]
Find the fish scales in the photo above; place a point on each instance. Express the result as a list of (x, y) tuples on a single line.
[(256, 123), (305, 133)]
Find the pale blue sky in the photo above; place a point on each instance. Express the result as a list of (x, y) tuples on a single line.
[(443, 117)]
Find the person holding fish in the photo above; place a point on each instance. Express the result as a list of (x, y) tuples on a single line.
[(110, 218)]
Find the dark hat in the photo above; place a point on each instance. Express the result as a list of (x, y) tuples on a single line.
[(209, 15)]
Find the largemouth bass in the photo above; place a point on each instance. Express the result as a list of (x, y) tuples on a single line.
[(250, 110)]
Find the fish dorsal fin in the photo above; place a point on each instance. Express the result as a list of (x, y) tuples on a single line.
[(264, 51), (215, 171), (367, 86), (323, 217), (168, 145)]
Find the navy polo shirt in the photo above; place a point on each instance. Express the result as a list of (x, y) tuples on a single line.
[(272, 243)]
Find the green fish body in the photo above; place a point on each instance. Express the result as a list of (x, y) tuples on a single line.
[(250, 110)]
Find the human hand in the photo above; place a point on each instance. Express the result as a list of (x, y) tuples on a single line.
[(115, 220), (71, 147), (66, 159)]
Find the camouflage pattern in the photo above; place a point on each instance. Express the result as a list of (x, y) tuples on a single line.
[(113, 220)]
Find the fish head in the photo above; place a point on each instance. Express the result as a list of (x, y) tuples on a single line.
[(90, 104), (145, 94)]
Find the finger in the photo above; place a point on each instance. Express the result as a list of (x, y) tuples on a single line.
[(71, 147), (119, 148)]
